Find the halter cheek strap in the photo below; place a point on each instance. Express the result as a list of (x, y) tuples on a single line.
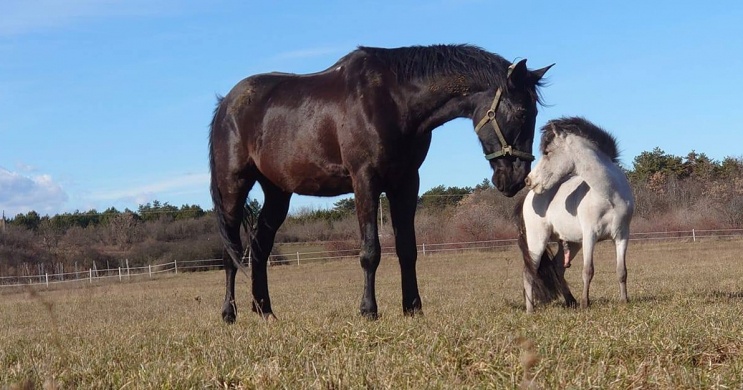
[(506, 149)]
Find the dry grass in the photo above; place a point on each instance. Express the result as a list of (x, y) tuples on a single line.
[(682, 329)]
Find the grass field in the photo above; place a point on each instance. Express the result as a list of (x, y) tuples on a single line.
[(681, 329)]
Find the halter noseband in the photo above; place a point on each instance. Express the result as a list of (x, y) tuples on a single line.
[(506, 149)]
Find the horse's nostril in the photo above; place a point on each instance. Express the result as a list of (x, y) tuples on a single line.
[(527, 182)]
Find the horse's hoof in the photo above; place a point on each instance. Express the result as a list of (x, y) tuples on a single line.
[(371, 316)]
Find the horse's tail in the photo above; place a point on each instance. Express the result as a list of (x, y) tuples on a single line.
[(231, 245), (546, 281)]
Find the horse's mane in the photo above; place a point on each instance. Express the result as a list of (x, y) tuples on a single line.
[(583, 128), (432, 62)]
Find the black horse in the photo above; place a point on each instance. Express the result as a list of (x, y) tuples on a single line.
[(363, 126)]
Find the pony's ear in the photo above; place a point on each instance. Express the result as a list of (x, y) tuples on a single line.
[(517, 73), (558, 134), (536, 75)]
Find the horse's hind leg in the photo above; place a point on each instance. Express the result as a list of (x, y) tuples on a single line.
[(402, 209), (229, 206), (621, 248), (272, 215)]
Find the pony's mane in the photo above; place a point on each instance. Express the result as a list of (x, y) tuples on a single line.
[(581, 127), (432, 62)]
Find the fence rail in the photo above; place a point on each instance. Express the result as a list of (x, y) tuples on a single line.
[(94, 275)]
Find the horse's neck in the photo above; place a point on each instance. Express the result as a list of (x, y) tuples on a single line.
[(434, 105), (600, 173)]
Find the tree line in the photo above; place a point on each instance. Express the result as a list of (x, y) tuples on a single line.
[(672, 193)]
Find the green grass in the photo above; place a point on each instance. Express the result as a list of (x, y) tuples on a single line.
[(681, 329)]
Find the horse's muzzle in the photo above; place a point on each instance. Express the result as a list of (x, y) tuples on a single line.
[(509, 176)]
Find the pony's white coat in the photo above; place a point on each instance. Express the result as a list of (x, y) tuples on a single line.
[(581, 196)]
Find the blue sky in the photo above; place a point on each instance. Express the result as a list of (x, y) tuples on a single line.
[(106, 103)]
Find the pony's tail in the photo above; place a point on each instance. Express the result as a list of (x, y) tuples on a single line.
[(231, 244), (545, 278)]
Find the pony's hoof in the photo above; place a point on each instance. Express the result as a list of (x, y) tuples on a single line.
[(229, 312), (229, 318)]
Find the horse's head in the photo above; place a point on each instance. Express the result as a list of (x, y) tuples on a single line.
[(506, 130)]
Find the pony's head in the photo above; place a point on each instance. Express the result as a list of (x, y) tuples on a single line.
[(563, 143), (505, 119)]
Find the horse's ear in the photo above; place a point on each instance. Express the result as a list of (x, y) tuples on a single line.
[(517, 73), (537, 74)]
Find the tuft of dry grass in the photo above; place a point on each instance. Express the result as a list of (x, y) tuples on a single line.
[(681, 329)]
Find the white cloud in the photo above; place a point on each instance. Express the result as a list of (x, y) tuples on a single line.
[(21, 194), (190, 182)]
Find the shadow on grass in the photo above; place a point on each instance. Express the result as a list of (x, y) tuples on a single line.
[(597, 302), (725, 296)]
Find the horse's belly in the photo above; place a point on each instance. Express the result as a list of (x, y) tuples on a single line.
[(326, 186), (306, 178)]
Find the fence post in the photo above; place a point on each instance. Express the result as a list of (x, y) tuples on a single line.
[(119, 274), (91, 275), (297, 258), (150, 269), (176, 266), (47, 279), (424, 249), (127, 268), (693, 235)]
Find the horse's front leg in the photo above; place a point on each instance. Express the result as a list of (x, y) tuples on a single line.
[(367, 199), (588, 244), (621, 248), (533, 243), (403, 200)]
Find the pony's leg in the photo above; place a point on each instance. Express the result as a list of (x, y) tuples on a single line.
[(272, 215), (529, 286), (560, 260), (621, 248), (367, 205), (403, 202), (588, 244)]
